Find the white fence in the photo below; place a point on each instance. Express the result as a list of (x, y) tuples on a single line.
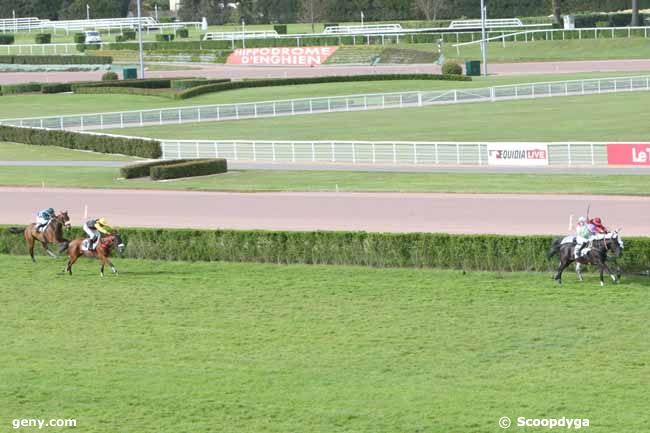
[(254, 110), (36, 24), (372, 152)]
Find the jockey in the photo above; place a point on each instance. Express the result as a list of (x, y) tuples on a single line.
[(584, 232), (43, 217), (598, 225), (93, 228)]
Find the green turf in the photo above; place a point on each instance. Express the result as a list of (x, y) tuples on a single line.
[(31, 105), (271, 180), (189, 347), (26, 152), (580, 118)]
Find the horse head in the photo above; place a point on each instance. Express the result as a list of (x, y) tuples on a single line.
[(615, 243), (63, 218), (116, 241)]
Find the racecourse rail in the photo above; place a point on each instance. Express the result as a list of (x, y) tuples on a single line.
[(375, 152), (348, 103)]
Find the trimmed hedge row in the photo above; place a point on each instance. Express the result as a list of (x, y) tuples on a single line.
[(220, 87), (133, 171), (165, 93), (76, 140), (56, 88), (14, 89), (6, 39), (188, 84), (405, 250), (197, 167), (56, 60), (150, 83)]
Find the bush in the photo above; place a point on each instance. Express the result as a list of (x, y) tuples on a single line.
[(166, 37), (143, 169), (152, 83), (56, 88), (165, 93), (182, 33), (6, 39), (397, 250), (12, 89), (75, 140), (220, 87), (281, 29), (129, 35), (451, 68), (79, 38), (110, 76), (43, 38), (200, 167), (167, 19), (188, 84)]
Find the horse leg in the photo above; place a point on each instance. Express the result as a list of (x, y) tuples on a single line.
[(112, 267), (71, 262), (45, 245), (558, 274), (104, 260), (30, 245), (612, 276), (579, 271)]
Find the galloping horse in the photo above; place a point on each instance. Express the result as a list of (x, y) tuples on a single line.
[(597, 255), (53, 234), (102, 252)]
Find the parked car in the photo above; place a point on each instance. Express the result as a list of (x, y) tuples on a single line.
[(93, 38)]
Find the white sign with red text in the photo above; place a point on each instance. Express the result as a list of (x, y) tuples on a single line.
[(277, 56), (519, 154)]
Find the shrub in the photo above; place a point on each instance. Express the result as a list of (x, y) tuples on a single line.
[(120, 38), (165, 93), (219, 87), (166, 37), (281, 29), (110, 76), (182, 33), (56, 88), (129, 35), (451, 68), (152, 83), (79, 38), (43, 38), (6, 39), (12, 89), (82, 141), (167, 19), (142, 169), (201, 167)]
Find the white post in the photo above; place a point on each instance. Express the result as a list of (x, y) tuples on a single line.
[(140, 45), (483, 42)]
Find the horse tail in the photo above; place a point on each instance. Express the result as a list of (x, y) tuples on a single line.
[(16, 230), (555, 247)]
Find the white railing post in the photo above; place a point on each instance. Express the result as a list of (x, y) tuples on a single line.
[(216, 149), (198, 114), (293, 108), (455, 95), (254, 151), (374, 155), (569, 153), (354, 154), (435, 150), (593, 160), (333, 151), (313, 152), (196, 148), (82, 122), (457, 154), (419, 99), (394, 154), (141, 120), (415, 153)]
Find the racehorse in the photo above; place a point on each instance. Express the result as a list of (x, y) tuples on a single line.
[(102, 252), (597, 255), (53, 234)]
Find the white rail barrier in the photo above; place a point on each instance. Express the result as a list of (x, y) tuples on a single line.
[(254, 110), (373, 152)]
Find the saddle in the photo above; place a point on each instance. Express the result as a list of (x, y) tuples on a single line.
[(42, 228)]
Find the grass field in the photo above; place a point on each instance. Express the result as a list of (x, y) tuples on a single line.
[(26, 152), (261, 348), (29, 105), (345, 181), (577, 118)]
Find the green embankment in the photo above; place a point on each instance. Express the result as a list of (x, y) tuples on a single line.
[(186, 347)]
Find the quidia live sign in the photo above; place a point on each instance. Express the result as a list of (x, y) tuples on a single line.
[(520, 154)]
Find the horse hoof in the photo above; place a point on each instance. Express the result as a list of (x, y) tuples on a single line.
[(602, 284)]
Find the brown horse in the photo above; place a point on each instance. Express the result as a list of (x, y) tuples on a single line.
[(53, 234), (102, 252)]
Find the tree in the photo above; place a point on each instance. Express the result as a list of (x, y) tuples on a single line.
[(635, 13), (311, 11), (557, 13), (429, 8)]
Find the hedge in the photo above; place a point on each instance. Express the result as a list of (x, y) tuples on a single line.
[(280, 29), (404, 250), (165, 93), (56, 60), (182, 33), (143, 169), (56, 88), (198, 167), (188, 84), (166, 37), (220, 87), (6, 39), (13, 89), (79, 38), (75, 140), (451, 68), (151, 83), (43, 38)]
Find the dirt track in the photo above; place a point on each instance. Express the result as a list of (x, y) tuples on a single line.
[(233, 71), (391, 212)]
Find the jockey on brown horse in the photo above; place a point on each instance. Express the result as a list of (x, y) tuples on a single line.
[(98, 247), (47, 230)]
